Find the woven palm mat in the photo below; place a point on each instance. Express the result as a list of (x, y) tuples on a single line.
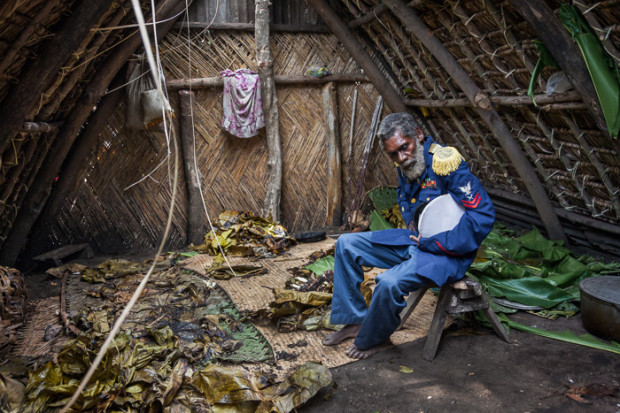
[(31, 343), (255, 293), (30, 339)]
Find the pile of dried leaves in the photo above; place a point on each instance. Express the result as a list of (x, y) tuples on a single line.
[(306, 301), (243, 234), (169, 353)]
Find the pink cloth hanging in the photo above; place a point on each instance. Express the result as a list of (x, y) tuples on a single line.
[(243, 108)]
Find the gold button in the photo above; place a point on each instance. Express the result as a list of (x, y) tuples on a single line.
[(413, 200), (428, 199), (403, 209)]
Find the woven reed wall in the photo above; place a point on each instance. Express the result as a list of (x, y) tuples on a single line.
[(101, 211), (577, 162), (24, 26)]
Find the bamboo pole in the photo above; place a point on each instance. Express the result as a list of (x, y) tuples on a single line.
[(24, 97), (250, 27), (40, 127), (566, 53), (40, 191), (392, 98), (195, 223), (270, 109), (210, 82), (375, 12), (572, 97), (84, 144), (334, 173), (24, 37), (482, 104)]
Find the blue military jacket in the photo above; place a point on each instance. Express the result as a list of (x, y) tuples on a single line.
[(444, 257)]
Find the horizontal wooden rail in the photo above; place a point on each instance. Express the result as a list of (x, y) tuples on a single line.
[(498, 100), (198, 83), (249, 27)]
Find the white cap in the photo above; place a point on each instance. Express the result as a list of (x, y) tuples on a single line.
[(441, 214)]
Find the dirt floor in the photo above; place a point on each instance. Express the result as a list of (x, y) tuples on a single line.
[(474, 371), (480, 373)]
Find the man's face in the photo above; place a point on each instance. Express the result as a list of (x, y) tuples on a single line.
[(407, 152)]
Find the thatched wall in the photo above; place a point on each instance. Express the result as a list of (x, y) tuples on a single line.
[(100, 209)]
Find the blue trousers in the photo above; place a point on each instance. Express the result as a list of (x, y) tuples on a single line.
[(382, 318)]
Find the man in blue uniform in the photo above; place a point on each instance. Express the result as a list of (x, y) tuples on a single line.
[(426, 170)]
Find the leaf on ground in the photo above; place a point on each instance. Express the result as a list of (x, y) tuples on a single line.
[(405, 369)]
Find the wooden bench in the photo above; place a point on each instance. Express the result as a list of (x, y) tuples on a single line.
[(68, 251), (461, 297)]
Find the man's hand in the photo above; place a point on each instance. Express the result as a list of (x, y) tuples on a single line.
[(411, 227)]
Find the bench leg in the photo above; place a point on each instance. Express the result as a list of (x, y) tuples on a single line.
[(494, 321), (412, 301), (439, 318)]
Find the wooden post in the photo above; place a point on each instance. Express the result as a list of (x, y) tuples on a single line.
[(392, 98), (482, 104), (195, 223), (334, 173), (40, 191), (270, 108), (566, 53)]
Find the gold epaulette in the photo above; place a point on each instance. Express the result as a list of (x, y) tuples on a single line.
[(446, 159)]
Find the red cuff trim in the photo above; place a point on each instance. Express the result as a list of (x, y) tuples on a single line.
[(445, 250), (473, 203)]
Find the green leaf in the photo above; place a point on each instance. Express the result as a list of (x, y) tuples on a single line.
[(321, 265), (405, 369), (530, 291), (383, 197), (587, 340), (377, 222)]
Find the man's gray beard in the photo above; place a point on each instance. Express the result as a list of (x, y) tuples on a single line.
[(414, 168)]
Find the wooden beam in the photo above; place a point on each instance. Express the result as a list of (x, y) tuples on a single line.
[(572, 97), (36, 127), (334, 172), (28, 29), (249, 27), (566, 53), (39, 192), (596, 224), (68, 174), (23, 98), (207, 82), (482, 104), (375, 13), (195, 213), (392, 98), (270, 109)]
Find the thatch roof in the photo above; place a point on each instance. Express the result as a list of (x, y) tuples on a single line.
[(554, 162)]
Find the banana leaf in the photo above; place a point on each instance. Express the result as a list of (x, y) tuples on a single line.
[(532, 270), (297, 389), (603, 71), (544, 59), (533, 291), (587, 340)]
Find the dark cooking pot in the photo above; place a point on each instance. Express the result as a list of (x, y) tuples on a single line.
[(600, 306)]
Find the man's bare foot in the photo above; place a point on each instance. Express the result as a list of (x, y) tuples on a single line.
[(356, 353), (337, 337)]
